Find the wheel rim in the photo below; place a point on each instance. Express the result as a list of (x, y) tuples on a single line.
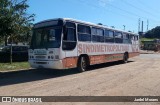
[(83, 63), (125, 58)]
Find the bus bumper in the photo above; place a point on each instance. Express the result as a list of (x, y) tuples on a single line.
[(55, 64)]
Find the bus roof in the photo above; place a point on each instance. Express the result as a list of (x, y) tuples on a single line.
[(86, 23)]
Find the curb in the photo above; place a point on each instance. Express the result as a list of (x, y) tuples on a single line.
[(8, 71)]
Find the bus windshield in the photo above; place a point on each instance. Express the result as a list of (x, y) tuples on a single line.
[(46, 38)]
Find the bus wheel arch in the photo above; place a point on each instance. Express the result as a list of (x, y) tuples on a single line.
[(83, 62)]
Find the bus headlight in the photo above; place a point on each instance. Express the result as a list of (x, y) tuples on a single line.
[(52, 57), (31, 57)]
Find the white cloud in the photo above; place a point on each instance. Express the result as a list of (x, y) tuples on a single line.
[(103, 3)]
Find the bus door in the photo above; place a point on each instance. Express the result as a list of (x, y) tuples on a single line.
[(69, 45)]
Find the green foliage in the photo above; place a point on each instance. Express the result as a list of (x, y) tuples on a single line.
[(154, 33), (14, 19), (147, 39)]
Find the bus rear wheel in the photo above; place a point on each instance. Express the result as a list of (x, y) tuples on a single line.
[(82, 64), (125, 58)]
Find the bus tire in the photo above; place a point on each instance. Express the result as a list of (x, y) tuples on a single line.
[(82, 64), (125, 58)]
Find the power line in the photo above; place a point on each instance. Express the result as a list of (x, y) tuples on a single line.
[(131, 13), (86, 3), (147, 6), (95, 6), (147, 12), (138, 8), (124, 15)]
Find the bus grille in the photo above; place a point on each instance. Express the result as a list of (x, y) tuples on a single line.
[(40, 57), (41, 62)]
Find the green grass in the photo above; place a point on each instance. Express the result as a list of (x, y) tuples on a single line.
[(147, 39), (14, 66)]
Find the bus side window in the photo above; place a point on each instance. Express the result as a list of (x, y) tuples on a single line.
[(69, 38), (97, 35), (126, 39), (109, 36), (137, 38), (118, 37), (84, 33), (131, 37), (70, 35)]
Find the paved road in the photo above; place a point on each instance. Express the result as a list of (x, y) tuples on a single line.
[(139, 77)]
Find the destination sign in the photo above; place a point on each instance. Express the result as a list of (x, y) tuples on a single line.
[(45, 24)]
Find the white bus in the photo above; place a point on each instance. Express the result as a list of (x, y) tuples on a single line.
[(67, 43)]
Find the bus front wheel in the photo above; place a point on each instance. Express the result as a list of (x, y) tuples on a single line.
[(82, 64)]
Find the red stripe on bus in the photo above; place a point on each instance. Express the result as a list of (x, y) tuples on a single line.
[(71, 62)]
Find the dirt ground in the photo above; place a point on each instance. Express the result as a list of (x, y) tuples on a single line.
[(139, 77)]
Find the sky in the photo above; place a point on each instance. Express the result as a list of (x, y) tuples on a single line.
[(117, 13)]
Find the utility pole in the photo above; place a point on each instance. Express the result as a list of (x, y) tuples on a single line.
[(11, 52), (124, 27)]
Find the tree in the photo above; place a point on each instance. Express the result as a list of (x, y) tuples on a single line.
[(15, 23), (14, 19), (154, 33)]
